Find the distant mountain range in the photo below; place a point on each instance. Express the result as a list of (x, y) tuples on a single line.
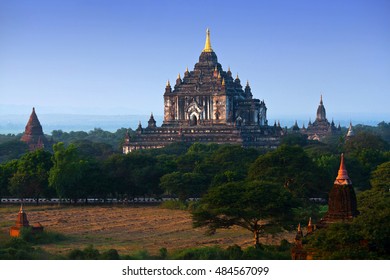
[(15, 123)]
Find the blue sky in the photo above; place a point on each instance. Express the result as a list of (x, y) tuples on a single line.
[(114, 57)]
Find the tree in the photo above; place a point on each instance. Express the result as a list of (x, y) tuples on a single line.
[(256, 206), (119, 175), (380, 177), (12, 150), (365, 151), (227, 164), (184, 185), (66, 175), (291, 167), (134, 174), (6, 172), (30, 178)]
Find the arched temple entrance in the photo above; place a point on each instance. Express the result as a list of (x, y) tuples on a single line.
[(193, 120)]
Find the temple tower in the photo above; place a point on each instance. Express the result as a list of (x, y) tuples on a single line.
[(321, 112), (350, 132), (33, 135), (208, 95), (23, 223), (342, 205), (321, 127)]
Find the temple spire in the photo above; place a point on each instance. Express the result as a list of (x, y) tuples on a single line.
[(321, 100), (350, 132), (207, 45), (342, 176), (310, 227)]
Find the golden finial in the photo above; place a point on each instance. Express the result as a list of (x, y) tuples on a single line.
[(168, 84), (310, 224), (223, 81), (237, 77), (187, 69), (215, 68), (219, 75), (178, 77), (207, 45)]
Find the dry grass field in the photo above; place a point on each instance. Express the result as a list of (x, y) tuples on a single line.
[(125, 228)]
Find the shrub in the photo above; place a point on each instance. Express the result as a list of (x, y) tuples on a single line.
[(206, 253), (234, 252), (44, 237), (89, 253), (111, 254), (174, 205), (163, 253)]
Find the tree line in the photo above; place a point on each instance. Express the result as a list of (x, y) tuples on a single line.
[(85, 169)]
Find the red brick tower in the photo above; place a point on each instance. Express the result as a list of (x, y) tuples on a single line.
[(342, 205), (33, 135), (22, 222)]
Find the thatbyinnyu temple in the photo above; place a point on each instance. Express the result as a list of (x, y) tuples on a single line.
[(208, 105)]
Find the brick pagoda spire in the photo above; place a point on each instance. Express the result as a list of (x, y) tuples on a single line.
[(342, 205), (33, 135), (22, 222)]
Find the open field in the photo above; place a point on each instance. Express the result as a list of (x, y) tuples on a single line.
[(125, 228)]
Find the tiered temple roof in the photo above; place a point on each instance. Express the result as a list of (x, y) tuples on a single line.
[(208, 105), (321, 127)]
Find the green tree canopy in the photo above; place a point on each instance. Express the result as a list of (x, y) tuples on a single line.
[(67, 173), (256, 206), (12, 150), (6, 172), (183, 185), (380, 177), (291, 167), (30, 179)]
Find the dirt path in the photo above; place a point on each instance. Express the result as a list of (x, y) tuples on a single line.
[(126, 229)]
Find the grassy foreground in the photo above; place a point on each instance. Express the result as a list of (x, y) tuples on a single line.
[(127, 229)]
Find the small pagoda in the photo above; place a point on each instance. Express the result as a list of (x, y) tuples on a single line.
[(33, 135), (23, 223)]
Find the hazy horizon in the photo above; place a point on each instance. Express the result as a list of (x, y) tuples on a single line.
[(15, 123)]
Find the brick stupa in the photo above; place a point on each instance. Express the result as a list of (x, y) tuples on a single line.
[(342, 205), (342, 208), (33, 135), (22, 222)]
